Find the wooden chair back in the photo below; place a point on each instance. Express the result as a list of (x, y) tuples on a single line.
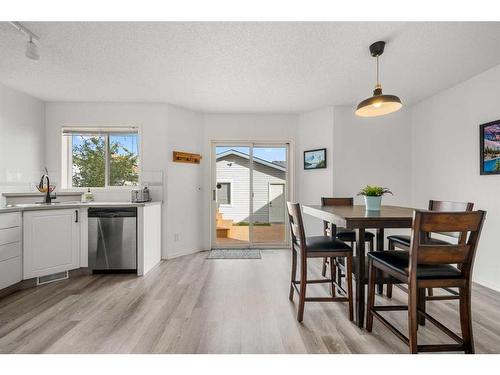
[(424, 222), (451, 206), (296, 225), (330, 201)]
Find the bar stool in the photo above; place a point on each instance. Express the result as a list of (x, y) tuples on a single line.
[(429, 265), (316, 247), (403, 242)]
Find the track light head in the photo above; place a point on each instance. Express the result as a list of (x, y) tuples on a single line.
[(32, 50)]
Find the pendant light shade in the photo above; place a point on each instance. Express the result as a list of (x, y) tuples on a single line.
[(379, 104)]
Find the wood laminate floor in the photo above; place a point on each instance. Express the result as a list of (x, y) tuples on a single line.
[(194, 305)]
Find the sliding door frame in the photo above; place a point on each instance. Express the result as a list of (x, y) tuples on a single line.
[(213, 190)]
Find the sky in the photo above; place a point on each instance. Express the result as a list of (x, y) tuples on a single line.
[(267, 153)]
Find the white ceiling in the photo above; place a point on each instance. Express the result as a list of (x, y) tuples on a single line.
[(244, 67)]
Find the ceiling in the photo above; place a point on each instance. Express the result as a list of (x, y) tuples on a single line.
[(268, 67)]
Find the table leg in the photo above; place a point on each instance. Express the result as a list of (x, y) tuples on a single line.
[(360, 276), (380, 247)]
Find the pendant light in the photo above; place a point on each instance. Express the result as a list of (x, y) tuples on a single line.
[(379, 104)]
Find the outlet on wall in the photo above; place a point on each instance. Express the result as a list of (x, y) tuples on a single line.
[(176, 237)]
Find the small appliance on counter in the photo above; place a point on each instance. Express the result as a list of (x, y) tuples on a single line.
[(88, 196), (140, 195)]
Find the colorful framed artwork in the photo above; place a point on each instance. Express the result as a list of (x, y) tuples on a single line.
[(315, 159)]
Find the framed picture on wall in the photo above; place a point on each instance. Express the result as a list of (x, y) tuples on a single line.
[(315, 159), (489, 146)]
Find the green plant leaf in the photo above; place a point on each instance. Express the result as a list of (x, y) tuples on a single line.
[(374, 191)]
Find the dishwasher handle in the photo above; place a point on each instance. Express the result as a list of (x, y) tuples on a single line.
[(112, 212)]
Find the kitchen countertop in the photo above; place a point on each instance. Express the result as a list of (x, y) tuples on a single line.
[(35, 207), (37, 194)]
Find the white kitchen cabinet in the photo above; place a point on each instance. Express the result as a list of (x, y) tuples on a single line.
[(51, 241), (10, 249), (148, 237)]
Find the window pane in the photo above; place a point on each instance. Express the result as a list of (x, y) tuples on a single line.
[(88, 169), (124, 160), (224, 193)]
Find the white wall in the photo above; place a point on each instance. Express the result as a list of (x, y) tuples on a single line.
[(445, 135), (164, 128), (184, 184), (22, 140), (314, 130), (372, 151), (151, 118), (360, 151), (236, 127)]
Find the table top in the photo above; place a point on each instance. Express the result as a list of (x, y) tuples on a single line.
[(358, 217)]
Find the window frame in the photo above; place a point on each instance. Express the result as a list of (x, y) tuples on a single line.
[(106, 131), (230, 183)]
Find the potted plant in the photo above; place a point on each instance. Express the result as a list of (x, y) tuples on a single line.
[(373, 196)]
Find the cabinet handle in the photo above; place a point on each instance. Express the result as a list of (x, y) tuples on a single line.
[(76, 217)]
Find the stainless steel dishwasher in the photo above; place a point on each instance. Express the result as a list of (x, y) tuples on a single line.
[(112, 239)]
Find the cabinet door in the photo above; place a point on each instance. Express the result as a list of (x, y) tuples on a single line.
[(51, 242)]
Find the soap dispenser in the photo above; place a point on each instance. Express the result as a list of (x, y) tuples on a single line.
[(88, 196)]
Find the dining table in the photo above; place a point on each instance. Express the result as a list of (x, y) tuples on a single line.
[(356, 217)]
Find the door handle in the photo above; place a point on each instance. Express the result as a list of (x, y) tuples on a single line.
[(76, 216), (213, 195)]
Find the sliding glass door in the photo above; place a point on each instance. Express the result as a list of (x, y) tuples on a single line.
[(249, 193), (269, 182), (232, 205)]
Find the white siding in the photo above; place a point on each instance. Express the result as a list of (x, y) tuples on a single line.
[(235, 169)]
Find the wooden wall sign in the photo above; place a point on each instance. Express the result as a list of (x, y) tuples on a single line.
[(186, 157)]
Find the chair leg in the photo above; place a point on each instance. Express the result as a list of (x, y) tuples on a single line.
[(389, 286), (333, 273), (412, 318), (380, 286), (421, 306), (294, 274), (389, 290), (430, 292), (350, 297), (303, 286), (466, 319), (323, 271), (371, 295)]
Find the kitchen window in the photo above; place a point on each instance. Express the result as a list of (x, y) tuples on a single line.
[(100, 157)]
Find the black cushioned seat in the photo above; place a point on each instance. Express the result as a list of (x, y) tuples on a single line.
[(348, 235), (398, 261), (325, 243), (405, 240)]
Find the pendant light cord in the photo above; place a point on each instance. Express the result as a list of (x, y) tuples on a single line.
[(378, 82)]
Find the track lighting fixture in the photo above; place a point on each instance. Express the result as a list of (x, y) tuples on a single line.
[(32, 50)]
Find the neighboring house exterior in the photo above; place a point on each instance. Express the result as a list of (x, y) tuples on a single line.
[(269, 187)]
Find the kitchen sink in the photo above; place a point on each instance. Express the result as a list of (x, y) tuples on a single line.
[(37, 204)]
